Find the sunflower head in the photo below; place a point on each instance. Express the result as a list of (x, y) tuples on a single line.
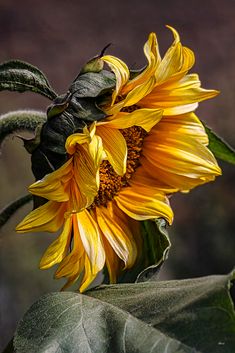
[(113, 149)]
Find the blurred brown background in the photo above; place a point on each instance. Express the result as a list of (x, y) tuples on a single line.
[(58, 37)]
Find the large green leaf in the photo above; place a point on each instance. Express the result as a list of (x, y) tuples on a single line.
[(164, 317), (219, 147), (19, 76)]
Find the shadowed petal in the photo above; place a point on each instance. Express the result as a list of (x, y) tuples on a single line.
[(47, 218), (118, 235)]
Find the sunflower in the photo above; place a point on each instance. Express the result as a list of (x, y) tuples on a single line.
[(122, 169)]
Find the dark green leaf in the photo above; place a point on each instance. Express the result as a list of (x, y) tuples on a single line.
[(219, 147), (19, 76), (197, 312), (187, 316), (69, 322), (93, 84)]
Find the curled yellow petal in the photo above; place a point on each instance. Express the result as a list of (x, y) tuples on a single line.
[(121, 72), (115, 148)]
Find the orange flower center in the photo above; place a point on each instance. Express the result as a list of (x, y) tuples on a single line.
[(110, 182)]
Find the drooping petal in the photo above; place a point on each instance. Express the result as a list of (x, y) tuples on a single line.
[(145, 118), (143, 203), (118, 235), (72, 265), (53, 185), (47, 218), (88, 276), (112, 261), (186, 91), (115, 147), (91, 240), (180, 161), (153, 56), (57, 251), (121, 72), (86, 171)]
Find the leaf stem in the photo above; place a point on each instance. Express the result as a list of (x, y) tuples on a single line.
[(20, 120), (10, 209)]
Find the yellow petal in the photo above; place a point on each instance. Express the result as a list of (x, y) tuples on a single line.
[(185, 124), (181, 109), (179, 160), (53, 185), (72, 264), (139, 92), (142, 178), (47, 218), (56, 252), (143, 203), (145, 118), (176, 62), (115, 148), (152, 54), (112, 261), (121, 72), (76, 139), (88, 276), (183, 92), (91, 240), (118, 235), (86, 172)]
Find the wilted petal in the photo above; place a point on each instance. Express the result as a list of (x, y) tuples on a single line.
[(56, 252), (145, 118), (115, 147), (153, 56), (121, 72)]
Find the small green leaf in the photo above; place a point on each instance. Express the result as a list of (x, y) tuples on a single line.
[(219, 147), (19, 76)]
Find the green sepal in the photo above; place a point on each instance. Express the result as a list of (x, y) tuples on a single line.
[(96, 64), (220, 148), (16, 75)]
